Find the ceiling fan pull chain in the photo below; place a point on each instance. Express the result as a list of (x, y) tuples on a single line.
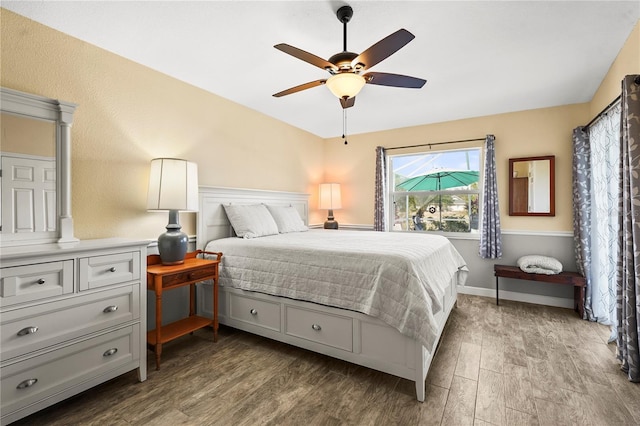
[(344, 126)]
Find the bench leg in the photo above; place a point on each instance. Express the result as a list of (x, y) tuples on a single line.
[(497, 298), (578, 295)]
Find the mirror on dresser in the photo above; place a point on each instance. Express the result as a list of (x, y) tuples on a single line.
[(532, 186), (35, 150)]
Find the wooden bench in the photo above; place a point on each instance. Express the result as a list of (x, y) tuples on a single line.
[(568, 278)]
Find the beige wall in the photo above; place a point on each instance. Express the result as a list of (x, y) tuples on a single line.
[(519, 134), (129, 114), (627, 62)]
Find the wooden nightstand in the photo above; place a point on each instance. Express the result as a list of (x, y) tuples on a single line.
[(161, 278)]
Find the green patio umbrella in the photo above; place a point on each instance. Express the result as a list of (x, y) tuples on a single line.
[(442, 179)]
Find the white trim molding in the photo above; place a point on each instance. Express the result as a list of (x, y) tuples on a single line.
[(537, 233), (559, 302), (461, 235)]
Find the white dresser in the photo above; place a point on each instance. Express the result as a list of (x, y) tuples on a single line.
[(72, 316)]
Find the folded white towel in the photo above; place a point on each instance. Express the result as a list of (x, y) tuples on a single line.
[(535, 264)]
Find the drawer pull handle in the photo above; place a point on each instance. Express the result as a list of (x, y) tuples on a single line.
[(112, 269), (110, 352), (27, 330), (109, 309), (41, 281), (253, 312), (26, 383), (316, 327)]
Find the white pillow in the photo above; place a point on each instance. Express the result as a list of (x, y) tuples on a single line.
[(287, 218), (251, 220)]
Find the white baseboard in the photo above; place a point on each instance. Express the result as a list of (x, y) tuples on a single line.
[(559, 302)]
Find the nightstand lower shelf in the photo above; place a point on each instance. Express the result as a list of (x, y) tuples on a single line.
[(178, 329)]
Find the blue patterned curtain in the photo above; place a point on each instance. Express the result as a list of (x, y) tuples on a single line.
[(380, 207), (490, 235), (582, 209), (628, 281)]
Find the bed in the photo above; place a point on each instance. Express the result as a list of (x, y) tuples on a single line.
[(379, 300)]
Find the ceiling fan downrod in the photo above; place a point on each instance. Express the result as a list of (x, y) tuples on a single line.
[(344, 14), (343, 59)]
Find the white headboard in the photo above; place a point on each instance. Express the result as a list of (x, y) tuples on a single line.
[(212, 220)]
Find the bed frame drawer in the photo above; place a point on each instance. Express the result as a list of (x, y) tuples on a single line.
[(320, 327), (253, 311)]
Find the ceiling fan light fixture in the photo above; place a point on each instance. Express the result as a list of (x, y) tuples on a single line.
[(346, 84)]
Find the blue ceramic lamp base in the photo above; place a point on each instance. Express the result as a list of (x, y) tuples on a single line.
[(173, 244)]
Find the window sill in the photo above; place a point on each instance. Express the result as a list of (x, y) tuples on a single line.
[(450, 235)]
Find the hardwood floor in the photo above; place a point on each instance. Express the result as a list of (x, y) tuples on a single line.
[(513, 364)]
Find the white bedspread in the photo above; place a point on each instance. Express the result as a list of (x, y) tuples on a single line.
[(399, 278)]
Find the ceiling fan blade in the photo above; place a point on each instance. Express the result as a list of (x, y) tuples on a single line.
[(394, 80), (299, 88), (306, 56), (347, 103), (382, 49)]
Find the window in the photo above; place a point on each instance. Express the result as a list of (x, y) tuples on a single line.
[(435, 191)]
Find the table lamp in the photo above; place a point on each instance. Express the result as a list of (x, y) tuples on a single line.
[(330, 199), (173, 186)]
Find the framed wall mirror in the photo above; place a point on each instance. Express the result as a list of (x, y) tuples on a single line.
[(532, 186), (35, 156)]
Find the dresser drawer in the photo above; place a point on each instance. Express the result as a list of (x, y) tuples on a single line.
[(28, 329), (43, 376), (37, 281), (320, 327), (100, 271), (253, 311)]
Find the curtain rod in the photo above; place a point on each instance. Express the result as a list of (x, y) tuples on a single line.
[(435, 143), (603, 112), (636, 80)]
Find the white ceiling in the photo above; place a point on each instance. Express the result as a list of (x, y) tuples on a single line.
[(478, 57)]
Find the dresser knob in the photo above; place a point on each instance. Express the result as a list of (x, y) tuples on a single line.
[(27, 330), (112, 269), (27, 383), (253, 312), (41, 281), (316, 327), (110, 352), (109, 309)]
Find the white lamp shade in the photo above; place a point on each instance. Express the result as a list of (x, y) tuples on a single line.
[(330, 198), (173, 185), (345, 84)]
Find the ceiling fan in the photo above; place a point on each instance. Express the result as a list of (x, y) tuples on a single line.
[(346, 67)]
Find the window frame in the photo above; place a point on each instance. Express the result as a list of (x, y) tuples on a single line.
[(391, 193)]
